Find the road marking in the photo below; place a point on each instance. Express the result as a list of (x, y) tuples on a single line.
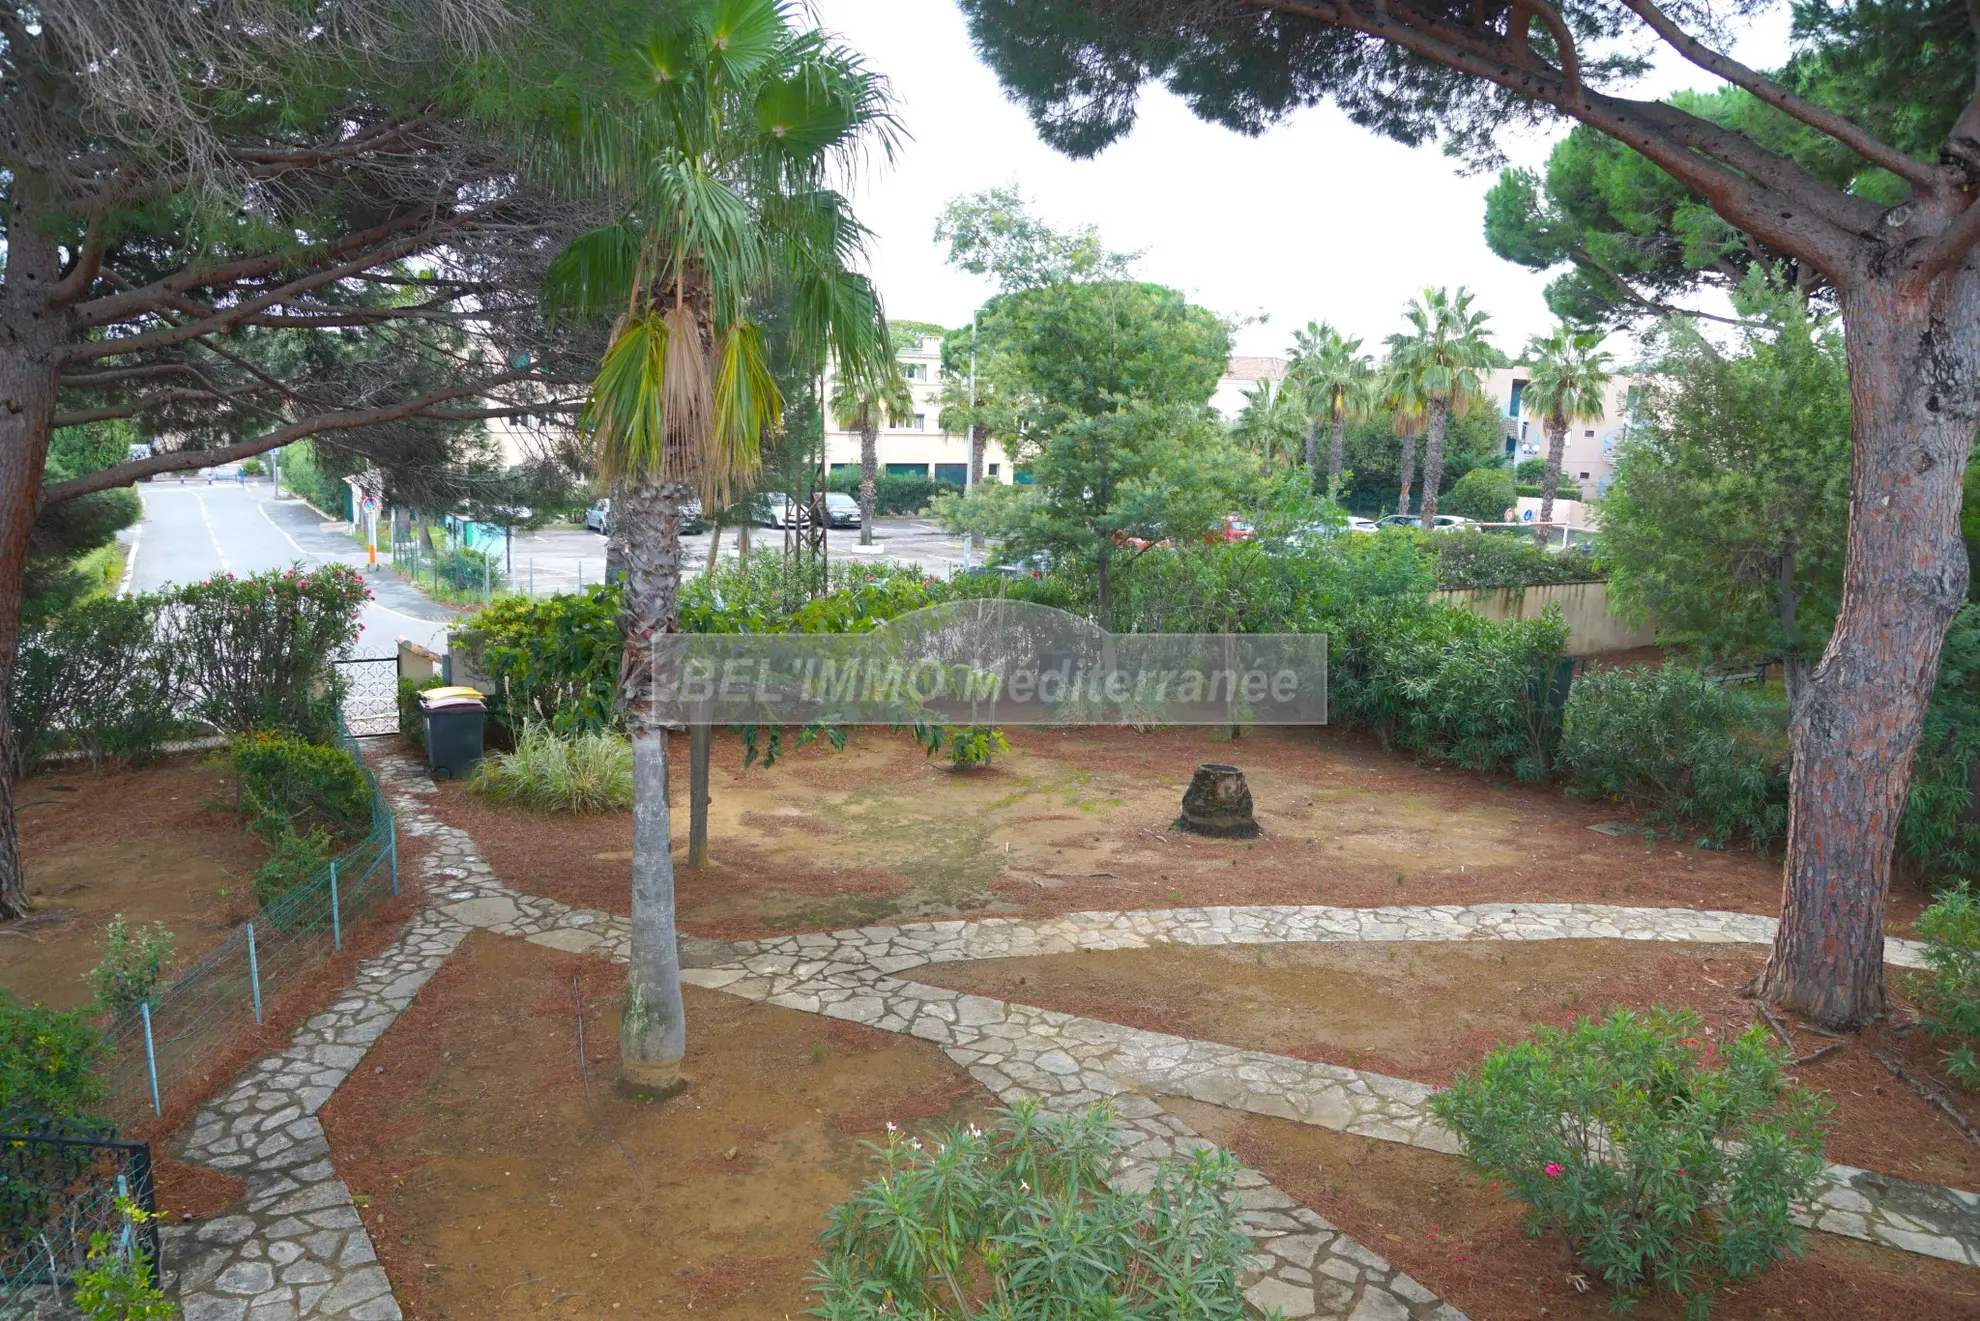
[(130, 560), (204, 518), (262, 505)]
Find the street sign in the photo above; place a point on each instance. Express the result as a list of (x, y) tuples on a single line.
[(1527, 516), (371, 504)]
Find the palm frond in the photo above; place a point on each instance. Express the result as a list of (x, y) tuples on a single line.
[(596, 274), (746, 406), (626, 413)]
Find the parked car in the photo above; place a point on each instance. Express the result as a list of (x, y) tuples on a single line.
[(1440, 523), (1232, 528), (594, 517), (841, 510)]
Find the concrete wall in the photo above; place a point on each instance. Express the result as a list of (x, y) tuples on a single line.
[(1584, 609)]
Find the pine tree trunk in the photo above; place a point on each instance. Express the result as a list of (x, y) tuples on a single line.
[(869, 472), (1550, 481), (1336, 452), (1436, 414), (653, 1032), (1408, 471), (32, 334), (1912, 374)]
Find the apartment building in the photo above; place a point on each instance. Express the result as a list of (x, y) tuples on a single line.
[(917, 445), (1589, 456)]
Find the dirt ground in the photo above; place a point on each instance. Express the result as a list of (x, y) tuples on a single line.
[(1428, 1215), (1081, 819), (158, 843), (1425, 1010), (493, 1187)]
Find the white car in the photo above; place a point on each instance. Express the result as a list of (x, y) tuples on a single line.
[(1439, 523)]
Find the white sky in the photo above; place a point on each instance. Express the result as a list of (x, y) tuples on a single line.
[(1315, 220)]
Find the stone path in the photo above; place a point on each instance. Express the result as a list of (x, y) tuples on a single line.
[(298, 1249)]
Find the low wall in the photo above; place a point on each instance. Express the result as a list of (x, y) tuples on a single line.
[(1592, 630)]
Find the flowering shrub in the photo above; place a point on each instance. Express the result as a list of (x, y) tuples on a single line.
[(1020, 1221), (1663, 1159), (47, 1066), (121, 1286), (258, 650), (120, 678), (1949, 995)]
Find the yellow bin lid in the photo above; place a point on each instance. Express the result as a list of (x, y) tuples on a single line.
[(457, 693)]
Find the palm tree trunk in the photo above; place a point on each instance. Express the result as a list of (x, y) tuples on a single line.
[(1550, 481), (1408, 470), (1312, 455), (1436, 414), (869, 471), (742, 541), (977, 445), (653, 1031), (1335, 453), (714, 548)]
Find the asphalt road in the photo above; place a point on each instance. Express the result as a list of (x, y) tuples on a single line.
[(195, 530)]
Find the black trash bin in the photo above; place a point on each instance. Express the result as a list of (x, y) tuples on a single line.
[(454, 720)]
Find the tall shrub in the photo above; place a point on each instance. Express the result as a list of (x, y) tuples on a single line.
[(258, 650), (1674, 744), (48, 1061), (1949, 995), (1430, 678), (1939, 833), (553, 662), (99, 680)]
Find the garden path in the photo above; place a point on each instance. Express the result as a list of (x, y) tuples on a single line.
[(299, 1248)]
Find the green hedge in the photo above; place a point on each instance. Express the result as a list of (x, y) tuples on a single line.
[(895, 495), (1678, 747), (1504, 559), (1430, 678)]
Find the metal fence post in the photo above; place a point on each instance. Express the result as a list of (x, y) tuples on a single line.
[(150, 1057), (392, 830), (336, 918), (254, 973)]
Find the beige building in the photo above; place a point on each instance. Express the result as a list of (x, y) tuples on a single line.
[(916, 445), (1589, 458)]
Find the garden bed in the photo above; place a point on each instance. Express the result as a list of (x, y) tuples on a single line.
[(159, 843), (1429, 1215), (1081, 819), (1423, 1010), (493, 1187)]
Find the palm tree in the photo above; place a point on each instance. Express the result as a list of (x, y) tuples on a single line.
[(740, 116), (1570, 374), (859, 405), (1270, 419), (1337, 382), (1397, 392), (1438, 361)]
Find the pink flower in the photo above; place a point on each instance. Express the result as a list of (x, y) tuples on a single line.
[(1555, 1169)]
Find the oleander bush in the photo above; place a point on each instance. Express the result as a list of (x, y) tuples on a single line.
[(1665, 1160), (1679, 747), (1434, 679), (1948, 994), (552, 772), (1021, 1221)]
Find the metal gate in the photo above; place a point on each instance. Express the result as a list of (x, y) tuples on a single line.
[(371, 695)]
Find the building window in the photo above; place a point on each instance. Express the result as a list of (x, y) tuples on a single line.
[(921, 422), (955, 474), (1584, 477), (915, 371), (907, 470), (1589, 434), (1512, 405), (993, 470)]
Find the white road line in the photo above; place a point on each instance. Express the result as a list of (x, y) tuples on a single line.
[(224, 566), (130, 560), (262, 505)]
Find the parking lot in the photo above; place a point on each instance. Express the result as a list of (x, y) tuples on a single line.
[(563, 559)]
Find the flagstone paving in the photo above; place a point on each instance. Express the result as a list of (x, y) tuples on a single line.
[(298, 1249)]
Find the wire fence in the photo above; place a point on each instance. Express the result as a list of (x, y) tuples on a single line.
[(57, 1193), (166, 1039)]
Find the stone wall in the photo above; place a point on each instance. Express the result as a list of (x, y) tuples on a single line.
[(1592, 629)]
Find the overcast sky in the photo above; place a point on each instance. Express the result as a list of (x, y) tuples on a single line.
[(1315, 220)]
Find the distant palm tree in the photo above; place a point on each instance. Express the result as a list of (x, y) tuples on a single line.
[(741, 118), (1396, 392), (1436, 363), (1570, 374), (1270, 420), (859, 406), (1338, 383)]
